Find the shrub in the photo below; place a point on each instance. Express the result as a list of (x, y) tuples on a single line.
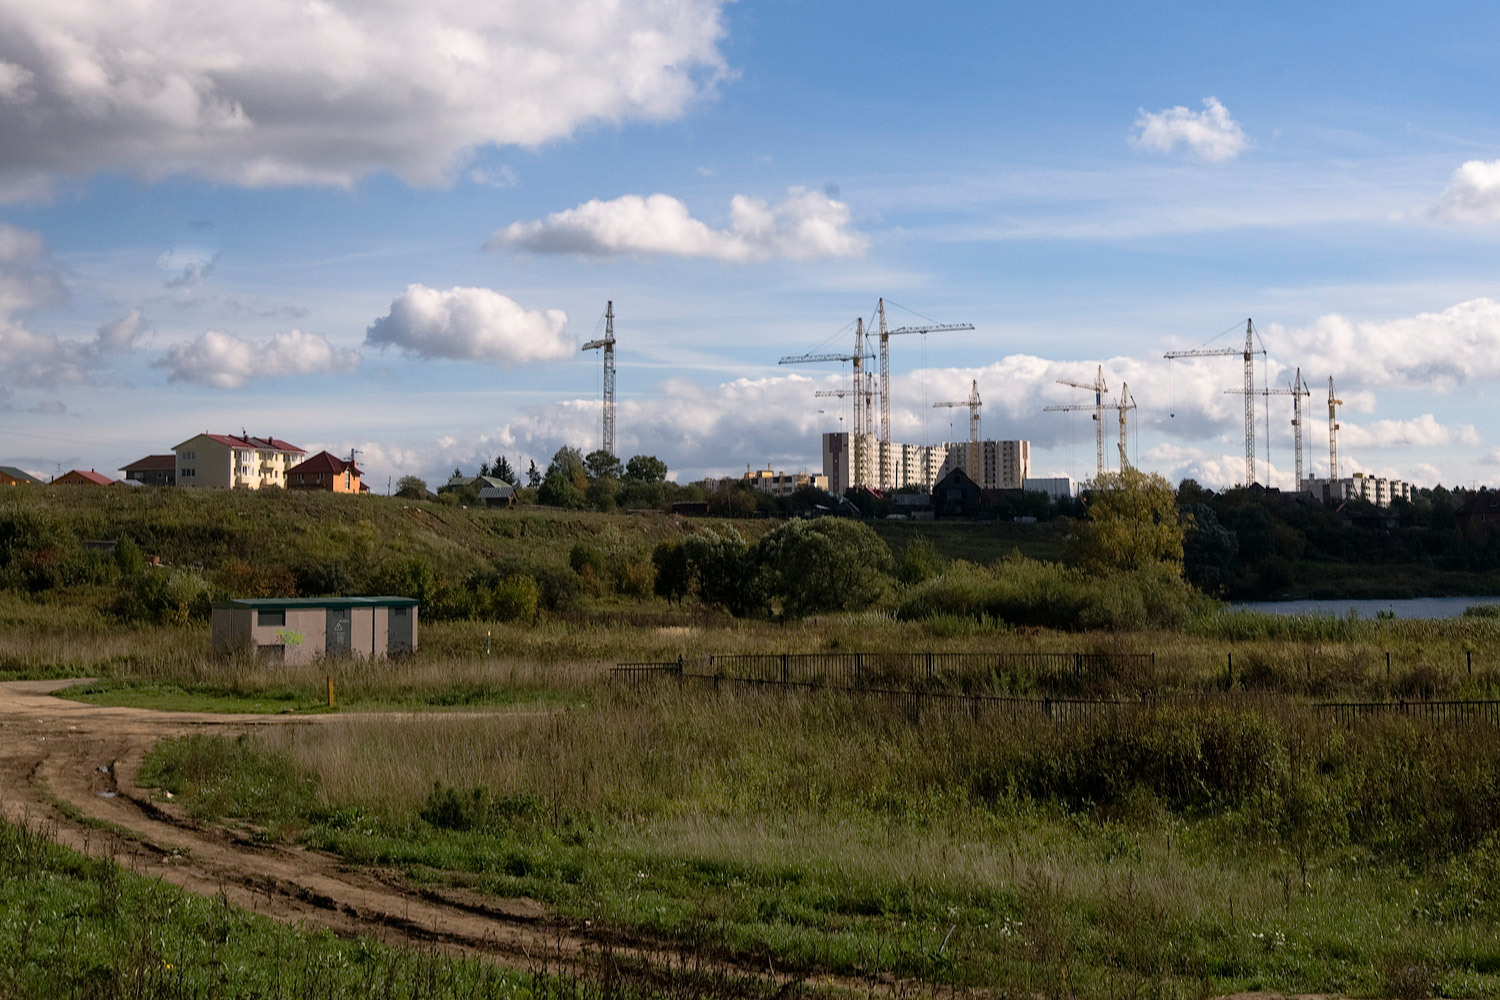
[(514, 599), (829, 564), (163, 596)]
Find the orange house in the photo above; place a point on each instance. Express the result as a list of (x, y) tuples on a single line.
[(326, 472), (80, 478)]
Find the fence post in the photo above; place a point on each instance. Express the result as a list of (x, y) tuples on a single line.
[(859, 667), (1469, 659), (929, 666), (1388, 665), (785, 663), (1077, 666), (679, 666)]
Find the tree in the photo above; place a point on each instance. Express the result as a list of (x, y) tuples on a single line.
[(566, 480), (601, 464), (502, 470), (1132, 524), (645, 469), (723, 568), (411, 488), (533, 476), (827, 564)]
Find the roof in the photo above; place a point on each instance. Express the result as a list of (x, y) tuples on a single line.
[(245, 441), (325, 462), (152, 463), (290, 603), (19, 475), (88, 474)]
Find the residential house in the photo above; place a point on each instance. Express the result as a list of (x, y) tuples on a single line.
[(956, 495), (12, 476), (326, 472), (226, 461), (495, 492), (78, 477), (153, 470)]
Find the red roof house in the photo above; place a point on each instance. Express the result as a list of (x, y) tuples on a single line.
[(78, 477)]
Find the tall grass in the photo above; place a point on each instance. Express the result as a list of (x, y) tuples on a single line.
[(1178, 846)]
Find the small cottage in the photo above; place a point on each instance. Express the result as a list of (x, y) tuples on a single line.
[(298, 630)]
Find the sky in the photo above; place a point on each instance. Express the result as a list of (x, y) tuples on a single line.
[(390, 227)]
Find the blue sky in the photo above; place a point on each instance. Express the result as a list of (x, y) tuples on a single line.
[(389, 228)]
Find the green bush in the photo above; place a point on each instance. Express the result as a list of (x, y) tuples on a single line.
[(1026, 592), (164, 596), (827, 564), (514, 599)]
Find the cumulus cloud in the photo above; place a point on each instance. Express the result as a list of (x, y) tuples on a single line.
[(1211, 133), (30, 279), (471, 324), (264, 92), (1435, 351), (225, 361), (804, 224), (1473, 195), (1424, 432)]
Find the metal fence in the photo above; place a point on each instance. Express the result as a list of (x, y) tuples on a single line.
[(909, 669), (871, 676)]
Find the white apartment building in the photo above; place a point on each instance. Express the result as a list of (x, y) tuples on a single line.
[(1055, 487), (1004, 465), (908, 464), (224, 461), (1372, 489)]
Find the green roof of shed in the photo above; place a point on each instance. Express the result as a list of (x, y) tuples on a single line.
[(292, 603)]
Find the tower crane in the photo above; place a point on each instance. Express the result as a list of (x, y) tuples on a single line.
[(1333, 431), (1248, 353), (607, 342), (885, 383), (973, 404), (1126, 404), (1098, 388), (860, 389), (1297, 389)]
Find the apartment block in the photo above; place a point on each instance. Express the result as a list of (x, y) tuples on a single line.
[(224, 461)]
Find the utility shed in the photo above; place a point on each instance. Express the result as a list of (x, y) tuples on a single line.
[(301, 629)]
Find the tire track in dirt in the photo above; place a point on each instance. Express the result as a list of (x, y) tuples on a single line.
[(74, 768)]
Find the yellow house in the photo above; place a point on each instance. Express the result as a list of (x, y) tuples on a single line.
[(224, 461)]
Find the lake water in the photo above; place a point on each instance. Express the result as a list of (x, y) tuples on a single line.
[(1419, 607)]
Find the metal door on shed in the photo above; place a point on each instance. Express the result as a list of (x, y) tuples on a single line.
[(339, 629), (398, 631)]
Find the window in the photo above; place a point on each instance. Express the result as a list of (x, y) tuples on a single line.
[(188, 473), (399, 612), (186, 456), (276, 618)]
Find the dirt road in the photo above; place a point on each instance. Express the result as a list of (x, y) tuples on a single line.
[(59, 757)]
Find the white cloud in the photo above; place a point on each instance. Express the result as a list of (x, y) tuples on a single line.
[(497, 177), (187, 269), (225, 361), (1432, 351), (1473, 195), (804, 224), (263, 92), (1211, 133), (1422, 432), (29, 279), (471, 324)]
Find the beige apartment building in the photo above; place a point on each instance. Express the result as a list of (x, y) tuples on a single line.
[(224, 461)]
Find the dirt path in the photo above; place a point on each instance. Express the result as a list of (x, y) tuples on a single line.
[(59, 756)]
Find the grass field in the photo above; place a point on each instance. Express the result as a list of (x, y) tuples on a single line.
[(1188, 853)]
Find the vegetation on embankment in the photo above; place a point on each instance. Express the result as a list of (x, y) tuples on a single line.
[(1184, 850)]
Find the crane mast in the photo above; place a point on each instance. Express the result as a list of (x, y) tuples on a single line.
[(1333, 431), (1098, 388), (862, 391), (607, 342), (973, 403), (1125, 404), (1296, 390), (886, 479), (1248, 354)]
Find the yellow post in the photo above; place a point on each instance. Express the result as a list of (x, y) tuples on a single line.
[(330, 690)]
